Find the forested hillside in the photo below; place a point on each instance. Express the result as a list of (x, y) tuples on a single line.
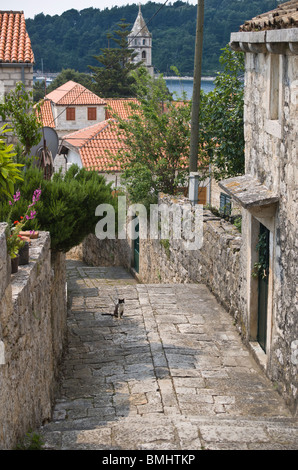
[(72, 39)]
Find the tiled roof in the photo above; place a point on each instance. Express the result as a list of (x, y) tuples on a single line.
[(283, 17), (15, 44), (46, 114), (72, 93), (93, 144), (120, 106)]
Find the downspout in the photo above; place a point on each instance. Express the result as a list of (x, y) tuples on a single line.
[(210, 180), (23, 74)]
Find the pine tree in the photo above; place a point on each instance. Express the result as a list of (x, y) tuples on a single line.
[(113, 78)]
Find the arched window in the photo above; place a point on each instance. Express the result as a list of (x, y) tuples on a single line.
[(144, 55), (144, 42)]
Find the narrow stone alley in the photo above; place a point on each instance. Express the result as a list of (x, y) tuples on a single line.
[(173, 374)]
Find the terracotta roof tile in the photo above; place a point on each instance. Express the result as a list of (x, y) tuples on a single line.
[(46, 113), (15, 44), (72, 93), (120, 106), (94, 144), (283, 17)]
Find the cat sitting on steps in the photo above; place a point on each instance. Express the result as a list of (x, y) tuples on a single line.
[(119, 309)]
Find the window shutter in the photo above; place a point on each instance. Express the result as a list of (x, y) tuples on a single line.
[(202, 195), (91, 114), (70, 114)]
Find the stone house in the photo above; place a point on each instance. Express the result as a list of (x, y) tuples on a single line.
[(72, 107), (268, 192), (16, 55), (92, 146)]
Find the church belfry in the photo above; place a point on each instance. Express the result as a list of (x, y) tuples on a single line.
[(140, 39)]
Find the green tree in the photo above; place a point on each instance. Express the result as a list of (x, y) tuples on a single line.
[(39, 90), (154, 157), (221, 118), (113, 78), (18, 108)]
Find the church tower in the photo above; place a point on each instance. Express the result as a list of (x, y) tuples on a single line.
[(140, 39)]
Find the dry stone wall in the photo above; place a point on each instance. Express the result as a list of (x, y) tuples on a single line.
[(216, 264), (32, 330)]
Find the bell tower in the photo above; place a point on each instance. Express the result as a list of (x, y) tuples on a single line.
[(140, 39)]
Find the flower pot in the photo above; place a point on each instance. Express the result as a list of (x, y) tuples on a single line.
[(29, 234), (14, 264), (24, 254)]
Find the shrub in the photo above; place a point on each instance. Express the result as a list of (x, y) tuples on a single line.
[(9, 171), (67, 207)]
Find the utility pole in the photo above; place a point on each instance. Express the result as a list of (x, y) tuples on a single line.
[(194, 135)]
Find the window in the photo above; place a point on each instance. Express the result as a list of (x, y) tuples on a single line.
[(91, 114), (225, 204), (274, 88), (70, 114), (144, 42), (144, 55)]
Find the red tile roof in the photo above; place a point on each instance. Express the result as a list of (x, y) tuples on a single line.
[(119, 106), (46, 113), (72, 93), (94, 144), (283, 17), (15, 44)]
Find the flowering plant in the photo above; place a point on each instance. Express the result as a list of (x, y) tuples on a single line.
[(14, 240)]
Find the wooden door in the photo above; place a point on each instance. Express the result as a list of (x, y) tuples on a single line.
[(263, 286)]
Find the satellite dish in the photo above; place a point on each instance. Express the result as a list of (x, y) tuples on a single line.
[(50, 136)]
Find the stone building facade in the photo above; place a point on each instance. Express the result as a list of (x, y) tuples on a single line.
[(268, 192), (72, 107), (16, 55)]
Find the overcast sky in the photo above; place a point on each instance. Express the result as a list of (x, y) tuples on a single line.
[(56, 7)]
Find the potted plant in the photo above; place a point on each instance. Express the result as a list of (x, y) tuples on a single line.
[(14, 244), (14, 240)]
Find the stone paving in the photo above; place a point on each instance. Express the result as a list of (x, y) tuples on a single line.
[(173, 374)]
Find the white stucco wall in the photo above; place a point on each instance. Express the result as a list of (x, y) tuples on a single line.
[(73, 157)]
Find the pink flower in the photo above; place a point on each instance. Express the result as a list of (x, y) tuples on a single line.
[(31, 216), (17, 196)]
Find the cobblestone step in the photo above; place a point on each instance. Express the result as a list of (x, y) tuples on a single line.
[(172, 374)]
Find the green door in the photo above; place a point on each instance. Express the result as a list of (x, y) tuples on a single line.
[(136, 250), (263, 286)]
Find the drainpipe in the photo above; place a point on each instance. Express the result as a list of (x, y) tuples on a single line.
[(23, 74)]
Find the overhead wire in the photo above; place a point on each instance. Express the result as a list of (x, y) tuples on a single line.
[(85, 90)]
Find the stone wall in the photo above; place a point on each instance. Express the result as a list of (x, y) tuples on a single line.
[(11, 74), (216, 264), (63, 126), (106, 252), (32, 330)]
